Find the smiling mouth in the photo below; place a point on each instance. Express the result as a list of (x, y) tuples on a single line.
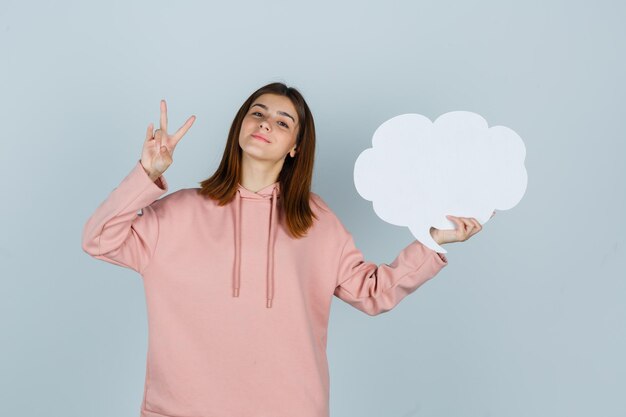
[(260, 138)]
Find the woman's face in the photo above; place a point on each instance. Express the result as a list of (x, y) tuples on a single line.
[(270, 128)]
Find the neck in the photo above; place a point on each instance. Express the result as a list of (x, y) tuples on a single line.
[(257, 174)]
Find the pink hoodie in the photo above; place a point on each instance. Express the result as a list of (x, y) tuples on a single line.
[(237, 309)]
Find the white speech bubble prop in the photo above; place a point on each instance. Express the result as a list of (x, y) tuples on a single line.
[(418, 171)]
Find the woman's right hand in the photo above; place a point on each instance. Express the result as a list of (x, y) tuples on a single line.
[(158, 148)]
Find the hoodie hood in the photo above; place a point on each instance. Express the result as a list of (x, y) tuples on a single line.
[(272, 193)]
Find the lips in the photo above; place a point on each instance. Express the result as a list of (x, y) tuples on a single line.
[(261, 137)]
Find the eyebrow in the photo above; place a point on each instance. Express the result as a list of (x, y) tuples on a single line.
[(279, 112)]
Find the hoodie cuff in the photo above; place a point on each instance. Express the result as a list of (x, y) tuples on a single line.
[(160, 182)]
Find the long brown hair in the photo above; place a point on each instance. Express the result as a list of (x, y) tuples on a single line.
[(295, 176)]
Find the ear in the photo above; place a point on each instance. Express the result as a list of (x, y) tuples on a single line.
[(292, 152)]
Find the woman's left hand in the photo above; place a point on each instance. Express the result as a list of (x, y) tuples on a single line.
[(466, 228)]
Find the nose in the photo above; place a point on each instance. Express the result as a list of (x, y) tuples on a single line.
[(264, 123)]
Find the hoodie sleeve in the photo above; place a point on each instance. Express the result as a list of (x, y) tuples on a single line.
[(377, 289), (124, 229)]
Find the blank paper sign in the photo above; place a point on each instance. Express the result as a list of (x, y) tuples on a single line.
[(418, 171)]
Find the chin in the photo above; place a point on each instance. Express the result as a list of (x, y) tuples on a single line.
[(255, 153)]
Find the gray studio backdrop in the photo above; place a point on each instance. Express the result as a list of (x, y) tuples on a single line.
[(528, 319)]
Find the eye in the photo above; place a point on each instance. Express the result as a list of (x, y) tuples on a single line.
[(254, 113)]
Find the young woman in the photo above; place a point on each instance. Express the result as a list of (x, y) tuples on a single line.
[(239, 274)]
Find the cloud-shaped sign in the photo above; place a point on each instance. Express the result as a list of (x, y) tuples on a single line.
[(418, 171)]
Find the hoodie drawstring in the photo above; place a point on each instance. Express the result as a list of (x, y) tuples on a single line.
[(237, 274), (270, 251), (270, 247)]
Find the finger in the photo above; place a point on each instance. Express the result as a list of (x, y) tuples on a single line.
[(167, 155), (163, 116), (149, 134), (477, 226), (183, 129), (474, 226), (459, 224), (468, 227), (158, 135), (470, 223)]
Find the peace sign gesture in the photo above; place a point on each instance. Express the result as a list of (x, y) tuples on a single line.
[(158, 148)]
